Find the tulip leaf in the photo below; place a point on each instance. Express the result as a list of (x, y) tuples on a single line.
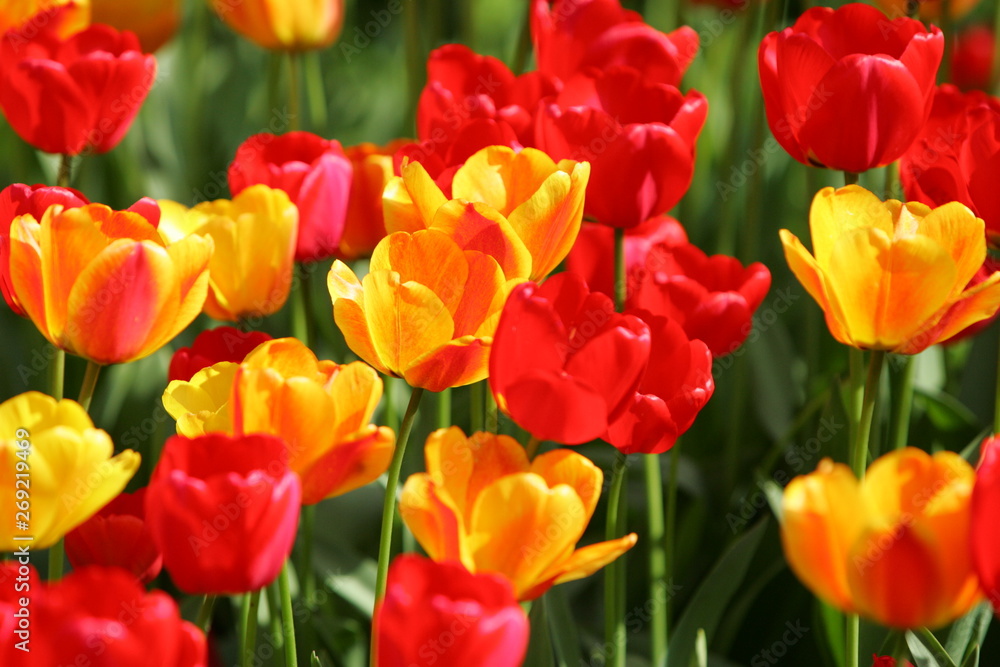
[(927, 650), (972, 660), (970, 630), (711, 601), (832, 621), (540, 643), (565, 636), (700, 657)]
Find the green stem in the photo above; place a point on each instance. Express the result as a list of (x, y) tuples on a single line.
[(300, 307), (89, 384), (856, 360), (621, 286), (891, 180), (287, 618), (307, 526), (491, 410), (65, 171), (444, 408), (859, 449), (315, 90), (274, 614), (57, 374), (657, 554), (614, 577), (248, 627), (205, 613), (57, 554), (669, 554), (520, 62), (294, 109), (476, 402), (851, 178), (853, 635), (902, 404), (532, 447), (391, 418)]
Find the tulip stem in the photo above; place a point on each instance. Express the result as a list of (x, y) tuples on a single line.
[(523, 49), (65, 171), (853, 635), (532, 447), (859, 450), (300, 307), (902, 403), (294, 111), (306, 574), (856, 362), (444, 408), (287, 618), (57, 554), (389, 504), (205, 613), (657, 555), (614, 577), (851, 178), (621, 288), (477, 400), (89, 384), (669, 553), (248, 627), (57, 374), (315, 89)]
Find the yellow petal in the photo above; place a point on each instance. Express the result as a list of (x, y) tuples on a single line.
[(430, 258), (960, 234), (349, 314), (564, 466), (201, 405), (835, 213), (809, 273), (476, 226), (433, 521), (410, 201), (588, 560)]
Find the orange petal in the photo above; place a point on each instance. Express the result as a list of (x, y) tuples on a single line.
[(959, 233), (429, 258), (349, 465), (502, 178), (410, 201), (355, 390), (432, 520), (455, 364), (588, 560), (476, 226), (347, 295), (27, 278), (973, 305), (478, 312), (564, 466)]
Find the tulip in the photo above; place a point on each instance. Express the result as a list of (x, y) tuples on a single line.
[(73, 94), (315, 174), (364, 225), (892, 276), (278, 24), (888, 661), (58, 472), (64, 16), (984, 538), (223, 510), (573, 35), (102, 284), (117, 536), (211, 347), (893, 547), (443, 154), (483, 504), (972, 59), (564, 365), (427, 601), (153, 21), (427, 309), (849, 89), (523, 208), (639, 138), (18, 199), (957, 156), (99, 617), (250, 273), (929, 10), (321, 410)]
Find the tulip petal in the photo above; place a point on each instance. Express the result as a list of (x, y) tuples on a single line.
[(556, 406), (348, 465), (476, 226), (588, 560), (409, 202), (834, 213), (563, 466), (433, 521), (454, 363)]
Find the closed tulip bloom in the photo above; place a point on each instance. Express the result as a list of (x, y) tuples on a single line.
[(638, 136), (425, 601), (893, 276), (482, 503), (315, 174), (250, 273), (101, 617), (102, 284), (564, 365), (153, 21), (522, 207), (972, 59), (65, 16), (893, 547), (427, 309), (849, 89), (117, 536), (223, 510), (278, 24), (985, 504), (68, 95), (212, 346), (320, 409), (364, 224), (57, 468)]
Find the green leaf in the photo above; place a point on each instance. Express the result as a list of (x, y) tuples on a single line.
[(926, 650), (972, 660), (700, 657), (969, 630), (711, 600), (832, 621), (946, 412), (540, 644), (565, 637)]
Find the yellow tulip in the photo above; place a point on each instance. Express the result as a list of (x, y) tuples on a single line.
[(536, 202), (250, 273), (893, 276), (57, 469), (483, 503), (288, 25), (894, 547), (321, 409)]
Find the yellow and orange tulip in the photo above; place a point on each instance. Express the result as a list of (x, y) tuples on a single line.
[(250, 274), (153, 21), (65, 466), (893, 547), (364, 225), (535, 202), (893, 276), (301, 25), (321, 409), (102, 284), (74, 17), (483, 503)]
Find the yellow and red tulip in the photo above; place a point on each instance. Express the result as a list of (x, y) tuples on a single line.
[(278, 24)]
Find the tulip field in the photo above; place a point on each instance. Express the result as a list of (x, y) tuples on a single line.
[(555, 333)]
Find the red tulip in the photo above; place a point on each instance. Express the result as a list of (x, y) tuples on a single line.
[(888, 661), (985, 505), (957, 156), (315, 174), (676, 385), (639, 138), (95, 616), (224, 511), (74, 94), (972, 59), (573, 35), (441, 156), (564, 365), (441, 614), (849, 89), (211, 347), (117, 536)]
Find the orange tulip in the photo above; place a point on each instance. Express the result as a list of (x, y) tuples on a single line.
[(250, 274), (894, 547), (536, 202), (74, 17), (483, 503), (364, 225), (102, 284), (893, 276), (280, 24), (929, 10), (321, 409), (427, 309), (153, 21)]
